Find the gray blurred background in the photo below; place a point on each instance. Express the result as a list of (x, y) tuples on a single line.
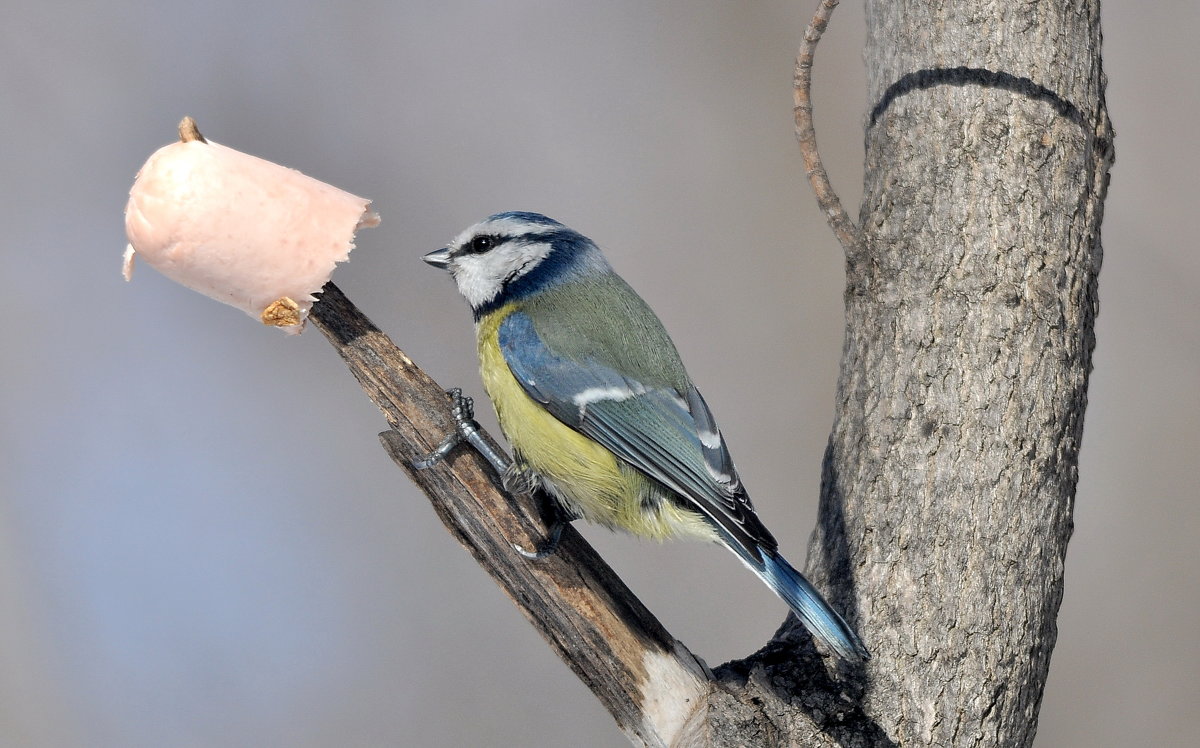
[(201, 541)]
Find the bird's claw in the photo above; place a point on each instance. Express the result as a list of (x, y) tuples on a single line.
[(548, 546), (513, 479), (463, 408), (465, 429), (439, 453)]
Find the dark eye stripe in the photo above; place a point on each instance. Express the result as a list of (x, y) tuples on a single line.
[(481, 244)]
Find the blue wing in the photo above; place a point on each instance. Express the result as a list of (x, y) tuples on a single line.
[(671, 437), (668, 435)]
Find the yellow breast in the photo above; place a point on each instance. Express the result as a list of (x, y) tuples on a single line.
[(586, 477)]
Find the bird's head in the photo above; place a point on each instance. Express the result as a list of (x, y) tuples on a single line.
[(512, 255)]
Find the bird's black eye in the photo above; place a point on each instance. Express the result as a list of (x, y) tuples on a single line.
[(481, 244)]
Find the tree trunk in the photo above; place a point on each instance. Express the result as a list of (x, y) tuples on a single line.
[(950, 475)]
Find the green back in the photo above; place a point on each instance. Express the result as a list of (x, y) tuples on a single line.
[(604, 320)]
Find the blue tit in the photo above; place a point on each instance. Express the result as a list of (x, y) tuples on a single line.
[(594, 400)]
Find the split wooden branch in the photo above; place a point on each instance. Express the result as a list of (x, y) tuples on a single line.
[(653, 686)]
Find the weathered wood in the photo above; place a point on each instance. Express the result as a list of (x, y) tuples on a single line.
[(649, 681), (969, 343)]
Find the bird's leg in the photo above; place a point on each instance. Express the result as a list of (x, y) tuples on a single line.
[(466, 429), (517, 480), (513, 478)]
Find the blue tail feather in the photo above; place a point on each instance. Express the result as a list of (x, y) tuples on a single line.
[(821, 620)]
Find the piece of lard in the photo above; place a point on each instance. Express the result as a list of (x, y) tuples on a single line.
[(250, 233)]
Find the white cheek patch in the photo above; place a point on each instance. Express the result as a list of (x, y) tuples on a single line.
[(474, 280), (481, 278)]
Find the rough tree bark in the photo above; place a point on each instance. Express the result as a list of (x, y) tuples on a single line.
[(950, 473)]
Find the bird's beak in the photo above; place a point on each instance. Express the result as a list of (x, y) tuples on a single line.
[(439, 258)]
